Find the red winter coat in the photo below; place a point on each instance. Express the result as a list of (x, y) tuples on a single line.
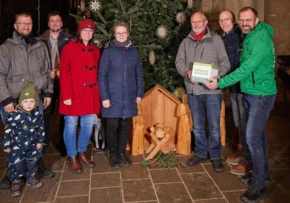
[(78, 79)]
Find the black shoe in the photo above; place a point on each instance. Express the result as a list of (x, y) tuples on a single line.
[(33, 182), (5, 183), (115, 162), (15, 189), (217, 165), (247, 179), (43, 171), (194, 160), (254, 194), (125, 160)]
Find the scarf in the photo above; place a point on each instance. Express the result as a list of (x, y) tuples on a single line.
[(199, 36), (123, 45)]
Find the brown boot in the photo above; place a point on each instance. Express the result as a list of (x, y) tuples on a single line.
[(85, 161), (75, 165), (234, 160), (241, 169)]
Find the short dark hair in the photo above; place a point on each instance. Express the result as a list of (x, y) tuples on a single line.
[(250, 8), (22, 14), (233, 17), (54, 13)]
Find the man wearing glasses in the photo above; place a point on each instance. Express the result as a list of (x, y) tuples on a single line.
[(23, 58), (257, 78), (232, 36), (203, 46)]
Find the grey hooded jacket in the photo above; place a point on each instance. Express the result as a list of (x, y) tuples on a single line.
[(20, 63), (210, 49)]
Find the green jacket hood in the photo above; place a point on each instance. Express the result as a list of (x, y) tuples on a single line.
[(263, 27)]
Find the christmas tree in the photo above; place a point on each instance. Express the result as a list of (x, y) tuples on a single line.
[(157, 28)]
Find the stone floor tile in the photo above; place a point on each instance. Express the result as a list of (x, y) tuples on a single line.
[(3, 167), (165, 176), (138, 190), (211, 201), (274, 163), (135, 171), (106, 195), (285, 162), (44, 194), (172, 193), (52, 149), (5, 196), (54, 162), (137, 159), (188, 169), (278, 150), (105, 180), (233, 197), (74, 188), (277, 194), (281, 177), (77, 199), (225, 180), (69, 175), (102, 163), (200, 186)]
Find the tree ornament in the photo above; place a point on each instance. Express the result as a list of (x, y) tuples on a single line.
[(95, 5), (190, 3), (180, 17), (161, 31), (151, 57), (83, 5), (178, 92)]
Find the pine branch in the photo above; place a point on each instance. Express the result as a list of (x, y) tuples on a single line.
[(101, 17), (123, 9)]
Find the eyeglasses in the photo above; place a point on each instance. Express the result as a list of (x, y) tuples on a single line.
[(225, 20), (90, 31), (197, 22), (121, 33), (24, 24), (247, 21)]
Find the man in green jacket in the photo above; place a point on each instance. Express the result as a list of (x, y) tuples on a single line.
[(257, 79)]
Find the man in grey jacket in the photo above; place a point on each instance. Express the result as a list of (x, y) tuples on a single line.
[(23, 58), (203, 46)]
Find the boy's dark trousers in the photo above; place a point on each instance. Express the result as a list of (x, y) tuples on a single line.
[(117, 134)]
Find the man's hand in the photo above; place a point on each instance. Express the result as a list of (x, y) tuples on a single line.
[(9, 108), (53, 73), (189, 73), (7, 150), (138, 99), (106, 103), (38, 146), (212, 84), (46, 102), (67, 102)]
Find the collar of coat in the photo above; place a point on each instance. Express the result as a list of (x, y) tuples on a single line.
[(62, 35), (207, 37), (19, 40)]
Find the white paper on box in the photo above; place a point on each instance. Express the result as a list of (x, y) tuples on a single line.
[(202, 71)]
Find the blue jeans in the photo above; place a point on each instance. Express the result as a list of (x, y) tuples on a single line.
[(258, 108), (241, 118), (202, 107), (69, 134)]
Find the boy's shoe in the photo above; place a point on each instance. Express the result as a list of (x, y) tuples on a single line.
[(43, 171), (234, 160), (217, 165), (241, 169), (5, 183), (115, 162), (194, 160), (33, 182), (254, 194), (16, 188), (125, 160), (247, 179)]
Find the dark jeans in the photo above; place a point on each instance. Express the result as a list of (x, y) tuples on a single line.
[(117, 134), (240, 118), (202, 107), (258, 108)]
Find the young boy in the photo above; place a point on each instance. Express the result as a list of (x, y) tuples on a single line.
[(22, 140)]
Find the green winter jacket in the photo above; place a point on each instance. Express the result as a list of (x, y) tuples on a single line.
[(257, 62)]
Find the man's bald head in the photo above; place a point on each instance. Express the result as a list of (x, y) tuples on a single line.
[(198, 22)]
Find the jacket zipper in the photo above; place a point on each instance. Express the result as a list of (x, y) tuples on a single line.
[(253, 79), (125, 68)]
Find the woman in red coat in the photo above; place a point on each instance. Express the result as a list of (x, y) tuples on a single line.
[(79, 93)]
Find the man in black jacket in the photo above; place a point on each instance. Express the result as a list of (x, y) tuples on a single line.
[(55, 39)]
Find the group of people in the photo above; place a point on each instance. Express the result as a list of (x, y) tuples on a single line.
[(245, 50), (34, 72), (37, 72)]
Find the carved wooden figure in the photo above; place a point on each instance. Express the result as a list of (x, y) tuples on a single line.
[(184, 127), (138, 133)]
